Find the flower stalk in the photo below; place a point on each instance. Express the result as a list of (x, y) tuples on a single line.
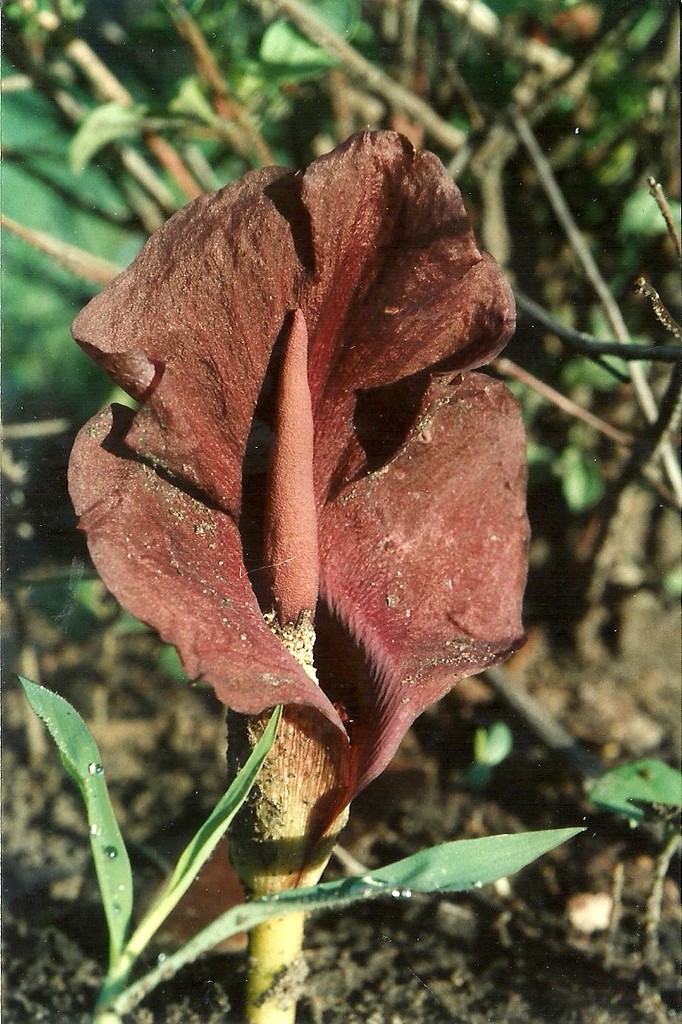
[(276, 970)]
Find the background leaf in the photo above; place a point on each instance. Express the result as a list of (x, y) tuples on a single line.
[(105, 124), (648, 781)]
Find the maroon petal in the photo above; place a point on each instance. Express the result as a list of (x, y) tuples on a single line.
[(425, 559), (398, 284), (189, 329), (177, 564)]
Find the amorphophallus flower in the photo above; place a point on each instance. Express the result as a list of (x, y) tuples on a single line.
[(316, 501)]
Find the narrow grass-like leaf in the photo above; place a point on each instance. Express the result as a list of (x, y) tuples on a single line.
[(81, 758), (192, 859), (207, 838), (451, 867), (648, 781)]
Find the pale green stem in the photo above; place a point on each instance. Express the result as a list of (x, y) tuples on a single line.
[(275, 952)]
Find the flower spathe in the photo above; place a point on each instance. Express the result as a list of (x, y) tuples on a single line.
[(412, 467)]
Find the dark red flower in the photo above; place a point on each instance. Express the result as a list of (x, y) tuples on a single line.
[(396, 481)]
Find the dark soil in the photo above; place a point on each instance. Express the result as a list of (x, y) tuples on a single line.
[(515, 953)]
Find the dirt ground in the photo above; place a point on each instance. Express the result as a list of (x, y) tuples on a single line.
[(602, 659)]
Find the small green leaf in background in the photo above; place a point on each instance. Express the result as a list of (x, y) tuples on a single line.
[(107, 123), (81, 758), (191, 101), (491, 747), (285, 48), (648, 781), (641, 216), (582, 483)]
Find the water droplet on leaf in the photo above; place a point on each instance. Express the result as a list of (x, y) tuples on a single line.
[(111, 852), (95, 769)]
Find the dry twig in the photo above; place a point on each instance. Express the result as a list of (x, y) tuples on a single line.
[(478, 17), (656, 191), (77, 261), (396, 95), (587, 345), (509, 369), (559, 205), (225, 106)]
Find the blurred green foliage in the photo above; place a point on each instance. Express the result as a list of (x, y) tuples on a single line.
[(65, 171)]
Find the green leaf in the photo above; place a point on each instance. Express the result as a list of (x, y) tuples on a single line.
[(192, 859), (582, 482), (648, 781), (450, 867), (81, 758), (641, 217), (191, 101), (492, 745), (106, 123), (284, 47), (207, 838), (469, 863)]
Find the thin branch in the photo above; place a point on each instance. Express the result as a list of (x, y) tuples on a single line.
[(640, 384), (478, 17), (656, 191), (396, 95), (655, 900), (666, 318), (108, 87), (587, 345), (510, 369), (77, 261), (73, 111), (34, 430), (225, 106), (542, 722)]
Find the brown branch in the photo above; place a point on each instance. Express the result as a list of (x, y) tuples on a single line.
[(226, 106), (666, 318), (587, 345), (479, 18), (108, 88), (77, 261), (510, 369), (563, 214), (656, 191), (396, 95), (34, 429)]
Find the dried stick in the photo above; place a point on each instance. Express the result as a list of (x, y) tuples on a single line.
[(656, 191), (542, 722), (225, 106), (74, 112), (77, 261), (396, 95), (108, 87), (478, 17), (640, 384), (665, 317), (510, 369), (35, 429), (653, 905)]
